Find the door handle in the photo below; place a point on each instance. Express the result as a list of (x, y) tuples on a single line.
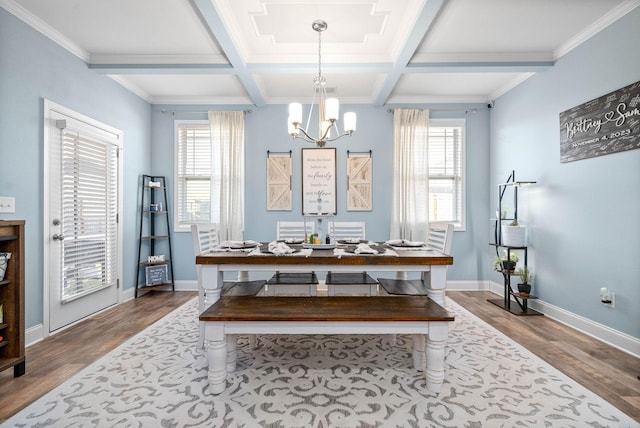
[(58, 237)]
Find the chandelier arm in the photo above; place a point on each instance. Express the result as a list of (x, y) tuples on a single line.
[(308, 138), (340, 136)]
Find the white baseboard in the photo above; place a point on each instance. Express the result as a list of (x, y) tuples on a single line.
[(34, 334), (615, 338)]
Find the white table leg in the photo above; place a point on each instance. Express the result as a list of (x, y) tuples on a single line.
[(209, 292), (216, 345), (418, 352), (437, 283), (435, 350)]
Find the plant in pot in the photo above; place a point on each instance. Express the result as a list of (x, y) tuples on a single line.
[(506, 264), (524, 287), (514, 234)]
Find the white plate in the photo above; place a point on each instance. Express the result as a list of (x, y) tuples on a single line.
[(404, 243), (239, 245)]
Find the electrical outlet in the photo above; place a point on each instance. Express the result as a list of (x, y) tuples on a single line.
[(608, 299), (7, 204)]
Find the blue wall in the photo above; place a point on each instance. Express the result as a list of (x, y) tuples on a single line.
[(265, 130), (583, 217), (33, 68)]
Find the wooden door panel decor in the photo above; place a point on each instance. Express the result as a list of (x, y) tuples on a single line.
[(605, 125), (278, 181), (359, 183), (319, 181)]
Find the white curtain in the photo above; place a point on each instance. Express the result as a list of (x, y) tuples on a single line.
[(227, 184), (410, 209)]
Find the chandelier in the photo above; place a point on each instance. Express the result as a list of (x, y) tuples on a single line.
[(328, 108)]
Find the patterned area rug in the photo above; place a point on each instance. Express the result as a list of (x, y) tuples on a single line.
[(159, 379)]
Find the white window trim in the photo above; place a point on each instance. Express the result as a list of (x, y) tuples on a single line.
[(462, 224), (177, 228)]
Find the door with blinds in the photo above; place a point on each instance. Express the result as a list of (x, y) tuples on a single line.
[(82, 232)]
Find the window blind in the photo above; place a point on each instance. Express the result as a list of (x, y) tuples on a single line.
[(194, 174), (89, 213), (446, 172)]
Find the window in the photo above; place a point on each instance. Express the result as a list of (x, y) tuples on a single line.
[(446, 171), (194, 170)]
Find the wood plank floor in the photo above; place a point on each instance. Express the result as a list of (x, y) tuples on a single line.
[(603, 369)]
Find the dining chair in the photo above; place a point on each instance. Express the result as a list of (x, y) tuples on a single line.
[(303, 283), (349, 283), (440, 238), (205, 241)]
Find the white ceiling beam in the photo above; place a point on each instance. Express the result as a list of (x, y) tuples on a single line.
[(425, 19), (479, 67), (168, 68), (218, 30)]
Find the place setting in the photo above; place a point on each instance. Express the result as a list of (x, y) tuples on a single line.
[(364, 247), (280, 248), (243, 246), (406, 245)]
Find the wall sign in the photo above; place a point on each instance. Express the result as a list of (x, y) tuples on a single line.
[(318, 181), (605, 125)]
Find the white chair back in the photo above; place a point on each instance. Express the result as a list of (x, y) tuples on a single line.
[(205, 238), (294, 229), (440, 236), (347, 229)]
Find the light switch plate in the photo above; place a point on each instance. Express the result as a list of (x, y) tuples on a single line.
[(7, 204)]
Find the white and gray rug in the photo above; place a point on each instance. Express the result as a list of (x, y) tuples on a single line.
[(159, 379)]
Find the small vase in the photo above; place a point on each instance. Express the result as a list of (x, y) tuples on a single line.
[(524, 288)]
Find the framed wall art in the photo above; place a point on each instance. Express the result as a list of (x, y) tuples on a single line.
[(279, 181), (359, 181), (319, 181)]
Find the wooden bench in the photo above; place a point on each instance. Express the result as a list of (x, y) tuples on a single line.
[(420, 316)]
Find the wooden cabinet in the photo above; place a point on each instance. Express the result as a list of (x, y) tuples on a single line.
[(12, 327), (154, 269)]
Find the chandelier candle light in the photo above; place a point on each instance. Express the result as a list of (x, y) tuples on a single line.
[(328, 108)]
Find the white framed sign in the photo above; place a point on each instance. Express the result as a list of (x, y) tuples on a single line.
[(319, 181)]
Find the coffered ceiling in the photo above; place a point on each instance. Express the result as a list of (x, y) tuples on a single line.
[(265, 51)]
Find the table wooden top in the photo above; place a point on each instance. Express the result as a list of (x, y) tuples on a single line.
[(336, 308), (326, 257)]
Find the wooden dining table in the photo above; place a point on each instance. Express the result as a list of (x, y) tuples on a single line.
[(221, 320), (397, 262)]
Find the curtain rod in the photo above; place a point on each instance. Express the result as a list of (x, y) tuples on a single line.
[(173, 112), (465, 110)]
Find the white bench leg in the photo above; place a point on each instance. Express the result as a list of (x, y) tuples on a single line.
[(216, 345), (435, 347)]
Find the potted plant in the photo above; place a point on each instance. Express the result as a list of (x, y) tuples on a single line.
[(506, 264), (514, 234), (524, 287)]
